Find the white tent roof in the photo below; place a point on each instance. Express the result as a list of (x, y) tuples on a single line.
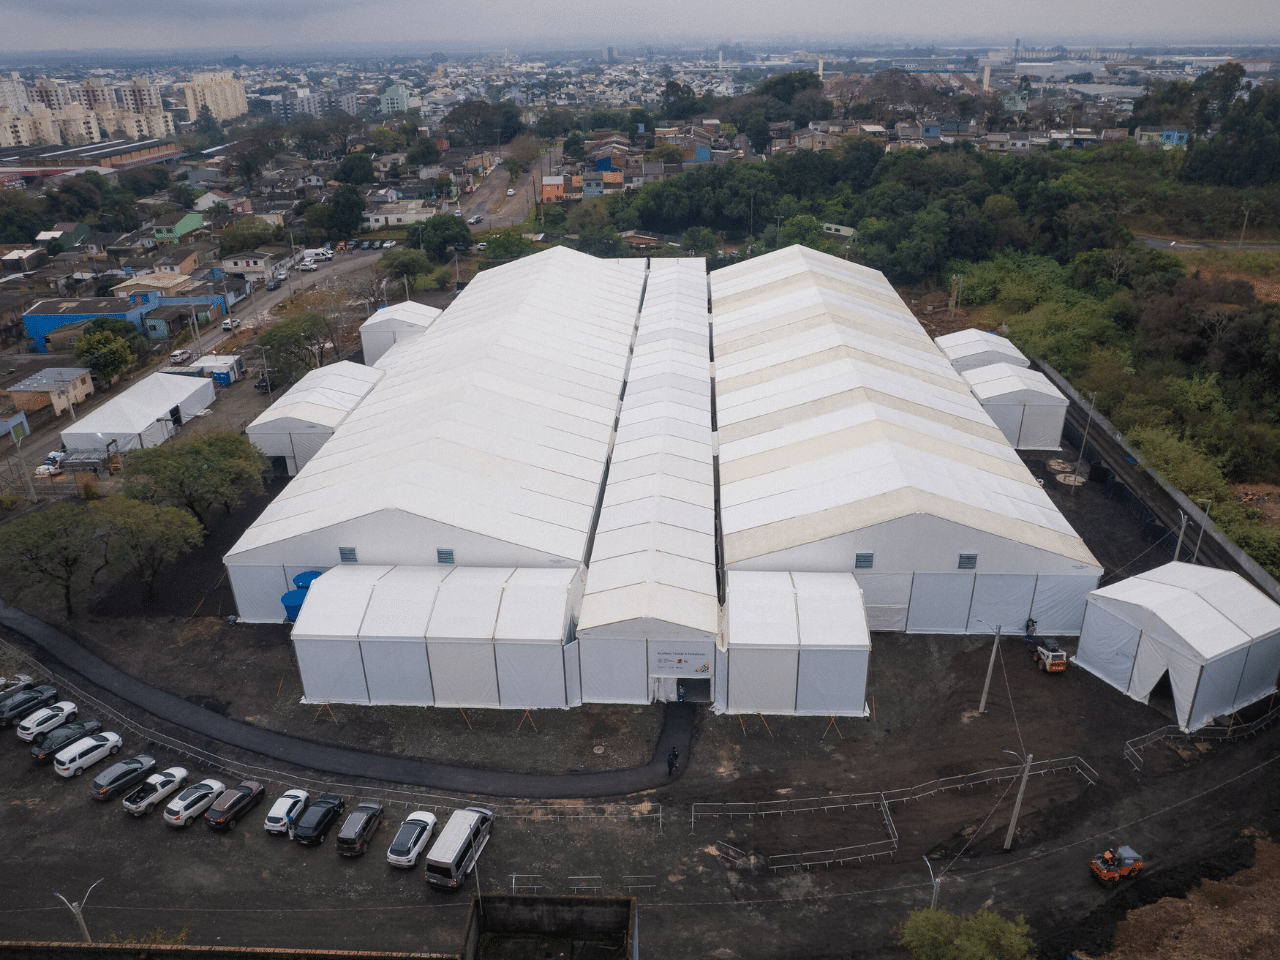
[(786, 610), (135, 410), (963, 347), (836, 412), (375, 602), (1006, 383), (324, 397), (495, 421), (402, 316), (1212, 612), (653, 561)]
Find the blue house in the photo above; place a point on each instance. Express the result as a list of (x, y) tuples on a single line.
[(48, 315), (1174, 135)]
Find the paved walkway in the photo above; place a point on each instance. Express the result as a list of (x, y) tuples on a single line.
[(677, 731)]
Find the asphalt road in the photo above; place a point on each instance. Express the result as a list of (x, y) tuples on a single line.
[(1161, 243), (490, 198)]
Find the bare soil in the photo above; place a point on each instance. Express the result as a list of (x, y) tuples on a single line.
[(1263, 497)]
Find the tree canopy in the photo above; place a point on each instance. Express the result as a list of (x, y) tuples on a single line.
[(355, 168), (939, 935), (105, 353), (217, 469), (145, 536), (346, 211), (55, 551), (438, 236)]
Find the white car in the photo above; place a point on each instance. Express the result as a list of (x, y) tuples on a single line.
[(388, 244), (286, 810), (74, 760), (308, 265), (154, 789), (45, 719), (193, 801), (411, 839), (511, 193)]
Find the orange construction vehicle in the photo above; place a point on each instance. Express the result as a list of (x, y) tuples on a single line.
[(1112, 866)]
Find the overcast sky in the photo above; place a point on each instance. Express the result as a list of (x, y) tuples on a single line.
[(153, 28)]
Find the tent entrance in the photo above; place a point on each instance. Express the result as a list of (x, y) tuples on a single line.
[(175, 414), (1161, 697), (692, 689), (696, 690)]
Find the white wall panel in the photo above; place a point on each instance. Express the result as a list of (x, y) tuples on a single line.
[(940, 603), (1108, 644), (614, 671), (530, 675), (762, 681), (397, 672), (1001, 599), (258, 590), (832, 683), (332, 671), (1058, 608), (463, 673), (887, 597)]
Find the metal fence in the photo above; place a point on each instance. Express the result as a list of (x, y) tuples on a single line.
[(842, 855), (1235, 731)]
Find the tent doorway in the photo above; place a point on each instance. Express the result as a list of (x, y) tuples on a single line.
[(1161, 697)]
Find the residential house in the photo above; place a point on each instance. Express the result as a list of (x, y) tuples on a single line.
[(251, 265), (399, 213), (172, 227), (552, 189), (48, 316), (58, 387)]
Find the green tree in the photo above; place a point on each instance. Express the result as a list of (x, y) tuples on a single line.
[(53, 551), (473, 123), (345, 211), (199, 473), (145, 536), (699, 241), (939, 935), (441, 234), (105, 353), (785, 86), (183, 195), (317, 217), (508, 244), (355, 168), (423, 153), (665, 152), (248, 233), (206, 123), (400, 265)]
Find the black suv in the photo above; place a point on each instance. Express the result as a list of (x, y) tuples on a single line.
[(233, 805), (354, 837), (119, 777), (25, 702), (314, 825), (63, 736)]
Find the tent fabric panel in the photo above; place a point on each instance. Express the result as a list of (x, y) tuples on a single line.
[(1260, 672), (614, 671), (306, 445), (762, 681), (332, 671), (1108, 645), (762, 609), (463, 673), (887, 597), (829, 610), (1008, 417), (258, 590), (1152, 662), (832, 683), (1041, 427), (401, 603), (572, 674), (530, 675), (720, 681), (1058, 608), (1001, 600), (1215, 692), (397, 672), (467, 604), (940, 603)]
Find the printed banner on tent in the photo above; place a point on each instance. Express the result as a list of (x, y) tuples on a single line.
[(680, 660)]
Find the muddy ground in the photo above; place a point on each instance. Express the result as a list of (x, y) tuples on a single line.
[(1192, 811)]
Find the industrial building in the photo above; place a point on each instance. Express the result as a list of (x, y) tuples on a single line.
[(618, 482)]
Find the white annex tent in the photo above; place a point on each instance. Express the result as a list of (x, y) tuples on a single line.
[(145, 415), (1028, 409), (968, 349), (798, 644), (297, 424), (390, 325), (1214, 634)]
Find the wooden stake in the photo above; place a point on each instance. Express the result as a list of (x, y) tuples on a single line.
[(742, 723), (766, 725), (873, 709), (464, 717), (280, 688), (832, 723), (527, 716)]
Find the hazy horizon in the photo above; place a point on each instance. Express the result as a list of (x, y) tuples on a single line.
[(176, 29)]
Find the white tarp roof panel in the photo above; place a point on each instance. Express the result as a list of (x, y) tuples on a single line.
[(130, 418)]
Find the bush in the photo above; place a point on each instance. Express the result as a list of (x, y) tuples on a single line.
[(7, 503), (939, 935)]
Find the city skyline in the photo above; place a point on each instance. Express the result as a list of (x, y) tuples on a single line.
[(151, 29)]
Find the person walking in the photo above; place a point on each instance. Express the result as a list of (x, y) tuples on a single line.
[(673, 760)]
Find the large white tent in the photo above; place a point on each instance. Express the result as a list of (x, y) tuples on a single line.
[(969, 349), (1216, 636), (297, 424), (1028, 409), (651, 589), (395, 324), (442, 635), (145, 415), (797, 644), (848, 443)]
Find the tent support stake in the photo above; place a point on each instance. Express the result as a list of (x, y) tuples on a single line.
[(280, 688), (742, 723), (464, 717), (527, 716), (832, 723), (766, 725), (323, 707)]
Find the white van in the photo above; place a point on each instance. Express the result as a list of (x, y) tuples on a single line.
[(458, 847)]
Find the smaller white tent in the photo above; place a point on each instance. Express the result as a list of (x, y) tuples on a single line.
[(145, 415), (1028, 409), (798, 644), (390, 325), (1214, 634), (978, 348), (296, 426)]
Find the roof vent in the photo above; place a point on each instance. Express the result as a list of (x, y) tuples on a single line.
[(864, 561), (968, 561), (444, 556), (347, 554)]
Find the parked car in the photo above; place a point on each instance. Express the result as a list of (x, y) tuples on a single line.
[(193, 801), (119, 777), (15, 684), (308, 265), (313, 826), (55, 458), (45, 750), (37, 724), (476, 219), (286, 810), (510, 192), (365, 244), (230, 323), (354, 837), (411, 839), (273, 284), (17, 707), (155, 788), (179, 357), (74, 760), (232, 805), (388, 244), (457, 213), (458, 847), (482, 247)]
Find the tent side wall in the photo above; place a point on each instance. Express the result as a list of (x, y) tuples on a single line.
[(832, 683), (397, 672), (531, 675), (332, 671), (763, 680), (1108, 645), (257, 590), (614, 670), (464, 673), (1042, 426)]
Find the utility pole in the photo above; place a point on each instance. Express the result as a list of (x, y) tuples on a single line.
[(77, 911), (933, 905), (266, 374), (1245, 227), (991, 665), (1208, 505), (1017, 804), (1181, 530), (1093, 398)]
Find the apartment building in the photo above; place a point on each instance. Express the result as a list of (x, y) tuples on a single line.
[(220, 91)]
